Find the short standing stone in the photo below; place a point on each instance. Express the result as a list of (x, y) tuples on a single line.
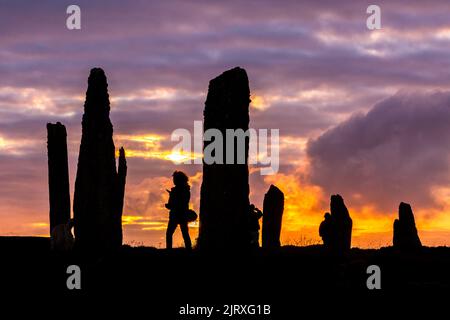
[(58, 175), (272, 217), (405, 231), (336, 229)]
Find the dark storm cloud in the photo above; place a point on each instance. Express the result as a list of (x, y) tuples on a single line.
[(398, 151)]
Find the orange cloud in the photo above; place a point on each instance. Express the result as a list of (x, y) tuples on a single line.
[(150, 145)]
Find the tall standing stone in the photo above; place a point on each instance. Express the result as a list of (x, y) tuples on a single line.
[(224, 202), (97, 186), (58, 174), (405, 231), (273, 208)]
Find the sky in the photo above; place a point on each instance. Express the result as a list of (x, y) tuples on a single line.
[(363, 113)]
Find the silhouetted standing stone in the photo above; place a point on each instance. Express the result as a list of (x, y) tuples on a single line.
[(342, 223), (121, 180), (405, 231), (336, 229), (273, 208), (58, 175), (96, 205), (224, 198)]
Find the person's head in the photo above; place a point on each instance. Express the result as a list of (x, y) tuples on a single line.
[(327, 216), (180, 178), (252, 207)]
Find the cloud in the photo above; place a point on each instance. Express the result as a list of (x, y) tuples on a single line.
[(310, 65), (398, 151)]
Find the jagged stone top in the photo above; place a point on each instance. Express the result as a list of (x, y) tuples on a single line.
[(405, 214), (275, 191), (235, 79), (234, 82), (227, 103), (56, 127), (122, 152), (122, 158), (338, 208), (236, 72), (97, 97)]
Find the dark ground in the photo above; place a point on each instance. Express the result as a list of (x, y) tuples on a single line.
[(289, 279)]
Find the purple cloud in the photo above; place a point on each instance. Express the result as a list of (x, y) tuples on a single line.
[(398, 151)]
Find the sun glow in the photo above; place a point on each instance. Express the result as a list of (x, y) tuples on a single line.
[(152, 146), (145, 223), (259, 102)]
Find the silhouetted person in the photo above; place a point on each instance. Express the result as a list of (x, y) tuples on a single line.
[(405, 231), (61, 238), (178, 205), (326, 230), (254, 215)]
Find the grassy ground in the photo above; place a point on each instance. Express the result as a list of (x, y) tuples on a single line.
[(280, 277)]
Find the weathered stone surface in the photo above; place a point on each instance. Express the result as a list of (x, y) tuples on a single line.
[(96, 207), (224, 199), (273, 208), (58, 175), (405, 231), (336, 229)]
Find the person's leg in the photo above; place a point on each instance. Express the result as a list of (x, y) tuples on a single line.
[(171, 226), (186, 237)]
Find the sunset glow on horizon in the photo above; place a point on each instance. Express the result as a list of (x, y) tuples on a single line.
[(365, 114)]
